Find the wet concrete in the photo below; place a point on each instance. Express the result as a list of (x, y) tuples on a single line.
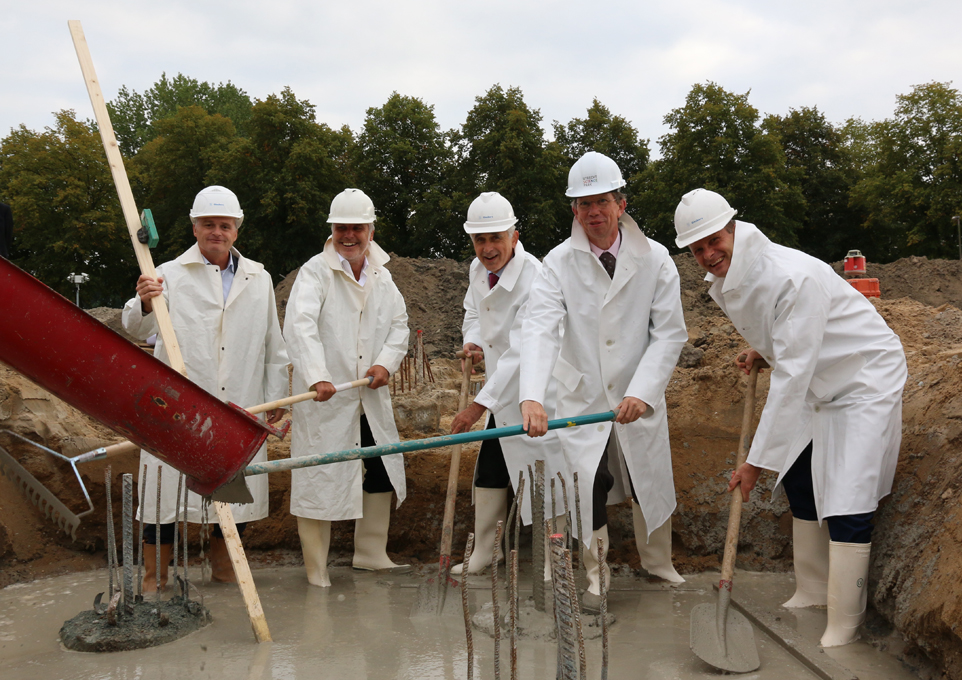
[(362, 627)]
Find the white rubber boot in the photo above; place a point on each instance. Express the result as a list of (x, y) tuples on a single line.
[(370, 535), (591, 600), (810, 548), (490, 505), (655, 554), (562, 522), (315, 537), (847, 591)]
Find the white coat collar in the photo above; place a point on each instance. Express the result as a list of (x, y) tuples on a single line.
[(632, 240), (509, 275), (376, 257), (193, 256), (750, 242)]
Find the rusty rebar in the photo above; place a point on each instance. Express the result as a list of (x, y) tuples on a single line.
[(554, 510), (564, 610), (538, 536), (180, 486), (186, 579), (567, 529), (128, 532), (573, 596), (140, 538), (468, 549), (111, 544), (496, 609), (520, 498), (510, 523), (604, 609), (581, 562), (157, 566), (513, 609)]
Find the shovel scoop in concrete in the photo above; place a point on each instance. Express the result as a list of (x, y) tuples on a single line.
[(722, 636)]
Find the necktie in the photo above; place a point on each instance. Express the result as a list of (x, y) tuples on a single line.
[(608, 261), (492, 279)]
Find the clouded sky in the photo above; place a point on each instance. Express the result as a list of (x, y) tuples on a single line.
[(640, 59)]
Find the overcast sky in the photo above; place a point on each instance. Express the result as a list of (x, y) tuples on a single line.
[(640, 59)]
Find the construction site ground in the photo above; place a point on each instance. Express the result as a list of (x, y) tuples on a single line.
[(915, 580)]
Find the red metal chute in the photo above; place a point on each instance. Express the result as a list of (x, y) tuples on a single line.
[(72, 355)]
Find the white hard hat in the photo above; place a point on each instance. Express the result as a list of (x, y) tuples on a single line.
[(490, 212), (699, 214), (593, 173), (351, 206), (216, 201)]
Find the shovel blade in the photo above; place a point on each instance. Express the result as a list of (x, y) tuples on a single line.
[(732, 649), (234, 491)]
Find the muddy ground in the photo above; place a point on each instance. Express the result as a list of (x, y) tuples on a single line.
[(917, 550)]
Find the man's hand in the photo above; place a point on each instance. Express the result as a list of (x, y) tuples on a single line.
[(535, 420), (746, 476), (325, 390), (148, 288), (745, 360), (380, 375), (630, 409), (275, 415), (468, 417), (477, 355)]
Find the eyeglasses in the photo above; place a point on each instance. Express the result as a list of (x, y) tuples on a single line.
[(602, 203)]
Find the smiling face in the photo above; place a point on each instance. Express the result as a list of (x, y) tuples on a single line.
[(714, 252), (495, 249), (352, 241), (598, 216), (215, 236)]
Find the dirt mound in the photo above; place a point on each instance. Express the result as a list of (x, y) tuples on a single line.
[(932, 282)]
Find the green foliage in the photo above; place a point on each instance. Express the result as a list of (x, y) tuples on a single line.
[(134, 116), (913, 186), (403, 161), (68, 218), (716, 143), (823, 166), (285, 174)]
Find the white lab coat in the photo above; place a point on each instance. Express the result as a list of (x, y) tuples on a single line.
[(336, 330), (622, 338), (492, 321), (234, 350), (838, 371)]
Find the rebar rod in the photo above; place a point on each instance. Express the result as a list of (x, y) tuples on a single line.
[(538, 536), (520, 499), (567, 531), (510, 523), (128, 531), (140, 530), (554, 510), (180, 483), (581, 562), (468, 549), (513, 609), (604, 609), (573, 596), (111, 545), (186, 579), (564, 609), (157, 566), (205, 568), (496, 609)]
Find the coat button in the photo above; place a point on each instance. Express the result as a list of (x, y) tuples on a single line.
[(610, 343), (817, 409), (610, 386)]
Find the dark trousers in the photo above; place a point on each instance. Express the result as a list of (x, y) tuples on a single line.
[(801, 499), (604, 482), (167, 533), (491, 471)]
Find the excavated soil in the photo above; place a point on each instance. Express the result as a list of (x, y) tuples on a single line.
[(916, 576)]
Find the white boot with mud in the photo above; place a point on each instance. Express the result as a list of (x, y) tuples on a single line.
[(655, 554), (370, 535), (591, 600), (315, 537), (847, 592), (490, 505), (810, 548)]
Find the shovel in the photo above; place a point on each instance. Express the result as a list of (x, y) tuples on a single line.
[(431, 594), (721, 636)]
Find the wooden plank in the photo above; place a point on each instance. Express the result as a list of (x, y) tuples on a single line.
[(144, 259)]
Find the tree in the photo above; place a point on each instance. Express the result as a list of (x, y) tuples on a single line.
[(134, 116), (716, 143), (823, 166), (501, 148), (914, 185), (611, 135), (68, 216), (402, 161), (285, 174), (171, 168)]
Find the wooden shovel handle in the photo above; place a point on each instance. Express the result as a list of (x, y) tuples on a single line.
[(447, 530), (735, 512)]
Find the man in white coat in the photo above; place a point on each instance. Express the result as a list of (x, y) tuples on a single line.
[(832, 424), (225, 320), (346, 320), (494, 307), (616, 293)]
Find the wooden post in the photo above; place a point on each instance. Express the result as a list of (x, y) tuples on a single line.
[(114, 158)]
